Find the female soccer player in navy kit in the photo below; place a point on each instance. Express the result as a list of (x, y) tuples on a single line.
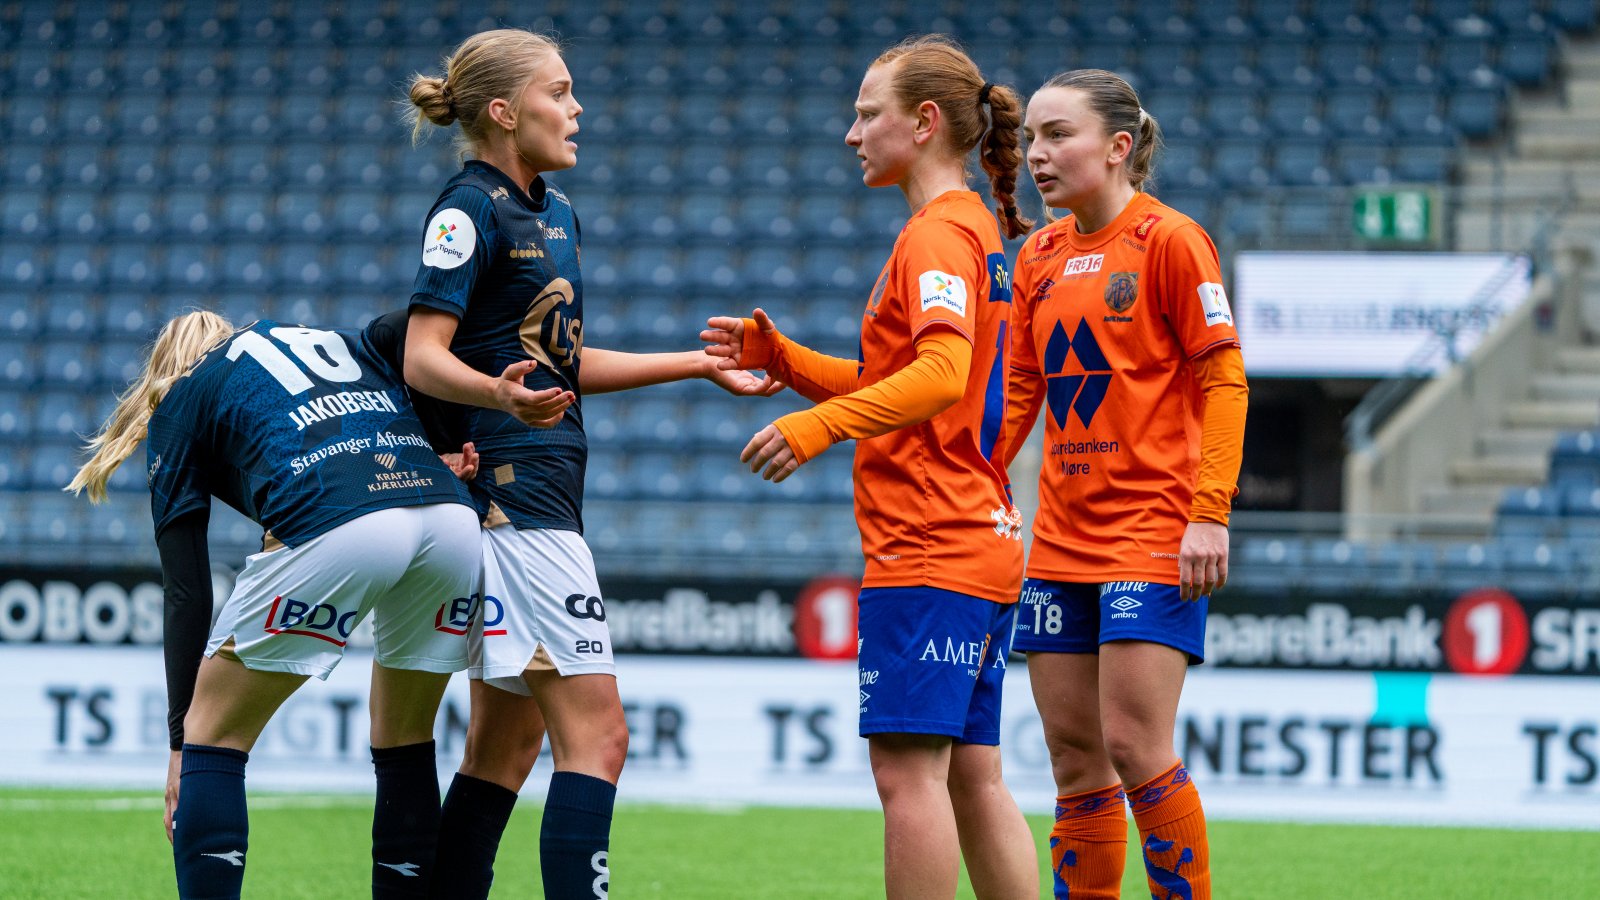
[(307, 432), (499, 282)]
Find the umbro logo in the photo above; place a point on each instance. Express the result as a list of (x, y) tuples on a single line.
[(232, 857), (1081, 392), (1124, 603)]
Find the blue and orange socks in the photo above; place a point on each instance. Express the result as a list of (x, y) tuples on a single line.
[(405, 821), (210, 827), (471, 823), (575, 837), (1172, 834), (1089, 844)]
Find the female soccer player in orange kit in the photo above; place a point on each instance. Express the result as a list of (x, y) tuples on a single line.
[(926, 402), (1125, 337)]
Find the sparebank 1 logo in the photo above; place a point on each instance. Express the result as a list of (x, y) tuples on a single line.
[(1083, 391)]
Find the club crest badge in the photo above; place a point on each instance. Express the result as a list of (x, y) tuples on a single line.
[(1122, 290)]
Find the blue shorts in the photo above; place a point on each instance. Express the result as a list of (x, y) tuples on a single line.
[(1066, 617), (932, 661)]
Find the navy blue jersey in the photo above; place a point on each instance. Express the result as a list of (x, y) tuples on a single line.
[(506, 265), (299, 429)]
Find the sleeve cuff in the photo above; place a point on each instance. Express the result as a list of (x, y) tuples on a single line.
[(759, 348), (807, 436), (1213, 502)]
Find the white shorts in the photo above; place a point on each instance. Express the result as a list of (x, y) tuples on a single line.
[(293, 609), (541, 609)]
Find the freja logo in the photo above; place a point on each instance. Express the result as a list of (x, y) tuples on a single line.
[(1081, 392)]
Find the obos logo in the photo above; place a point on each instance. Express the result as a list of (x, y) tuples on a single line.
[(455, 616), (1081, 392), (320, 621)]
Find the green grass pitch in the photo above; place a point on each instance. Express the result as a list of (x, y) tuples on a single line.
[(61, 844)]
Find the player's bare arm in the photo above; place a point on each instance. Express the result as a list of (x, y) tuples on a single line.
[(437, 372)]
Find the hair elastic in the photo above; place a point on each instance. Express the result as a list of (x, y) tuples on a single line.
[(983, 95)]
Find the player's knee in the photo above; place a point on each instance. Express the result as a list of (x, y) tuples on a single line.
[(612, 748), (1132, 750)]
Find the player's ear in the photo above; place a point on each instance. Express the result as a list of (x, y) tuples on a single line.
[(927, 123), (500, 113)]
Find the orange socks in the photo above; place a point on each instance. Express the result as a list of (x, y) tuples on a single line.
[(1172, 831), (1089, 843)]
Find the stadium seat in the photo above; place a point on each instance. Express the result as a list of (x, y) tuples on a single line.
[(1354, 111), (1347, 62), (1527, 513), (1575, 460), (1294, 113), (1477, 112)]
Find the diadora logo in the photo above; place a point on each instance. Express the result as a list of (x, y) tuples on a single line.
[(500, 193), (455, 616), (529, 252), (387, 460), (320, 621), (1081, 392), (1083, 265)]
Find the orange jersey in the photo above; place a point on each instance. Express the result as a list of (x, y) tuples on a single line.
[(1111, 323), (931, 498)]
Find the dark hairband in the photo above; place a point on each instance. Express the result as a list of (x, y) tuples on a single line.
[(983, 95), (1011, 212)]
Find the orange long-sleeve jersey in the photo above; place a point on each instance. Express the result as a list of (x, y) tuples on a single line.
[(927, 404), (1126, 340)]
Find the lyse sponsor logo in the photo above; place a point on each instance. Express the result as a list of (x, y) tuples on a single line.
[(943, 290), (455, 616), (1214, 301), (314, 620), (1326, 635), (1083, 265)]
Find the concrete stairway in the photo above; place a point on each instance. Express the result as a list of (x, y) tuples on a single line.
[(1551, 158)]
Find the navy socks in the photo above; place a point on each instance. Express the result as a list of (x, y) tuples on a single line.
[(405, 821), (211, 829), (575, 837), (470, 825)]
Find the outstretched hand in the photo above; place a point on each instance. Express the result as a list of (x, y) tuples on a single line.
[(743, 384), (538, 409), (771, 449), (724, 337), (463, 464), (170, 801)]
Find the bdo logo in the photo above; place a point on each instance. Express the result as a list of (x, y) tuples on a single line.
[(320, 621), (1486, 633), (455, 616)]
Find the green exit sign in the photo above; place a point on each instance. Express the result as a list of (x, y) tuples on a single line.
[(1397, 216)]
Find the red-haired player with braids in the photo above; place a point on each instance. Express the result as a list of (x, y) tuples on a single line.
[(925, 403)]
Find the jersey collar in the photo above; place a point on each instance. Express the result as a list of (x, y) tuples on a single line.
[(535, 198), (1135, 208)]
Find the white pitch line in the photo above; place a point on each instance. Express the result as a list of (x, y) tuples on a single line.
[(124, 804)]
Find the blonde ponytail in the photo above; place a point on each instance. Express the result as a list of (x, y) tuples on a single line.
[(180, 345)]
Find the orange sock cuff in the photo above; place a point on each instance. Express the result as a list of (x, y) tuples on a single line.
[(1099, 816), (1164, 799)]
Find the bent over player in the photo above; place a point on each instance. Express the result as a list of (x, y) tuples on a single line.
[(1126, 341), (925, 402), (308, 433)]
